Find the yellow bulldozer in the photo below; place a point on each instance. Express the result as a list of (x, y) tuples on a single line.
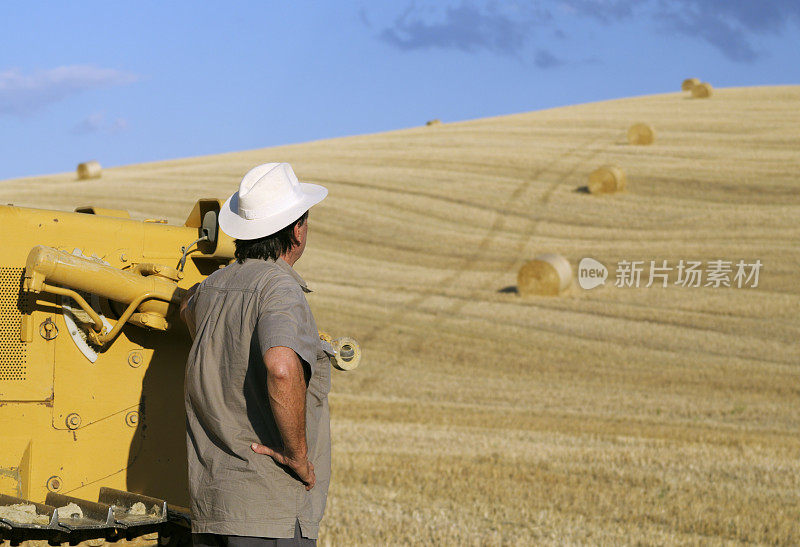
[(92, 358)]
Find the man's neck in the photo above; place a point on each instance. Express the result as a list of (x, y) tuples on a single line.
[(289, 257)]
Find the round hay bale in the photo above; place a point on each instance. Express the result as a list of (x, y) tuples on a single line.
[(437, 121), (546, 275), (689, 83), (702, 91), (89, 170), (641, 133), (607, 179)]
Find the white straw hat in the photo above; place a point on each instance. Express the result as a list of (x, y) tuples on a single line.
[(269, 198)]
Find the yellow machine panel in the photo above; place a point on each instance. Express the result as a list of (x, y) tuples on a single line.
[(92, 358), (83, 406)]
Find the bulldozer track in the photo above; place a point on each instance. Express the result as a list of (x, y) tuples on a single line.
[(111, 519)]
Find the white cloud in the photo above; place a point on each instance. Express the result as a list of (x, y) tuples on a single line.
[(118, 126), (97, 122), (22, 94)]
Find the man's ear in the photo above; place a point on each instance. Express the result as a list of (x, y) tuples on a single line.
[(298, 232)]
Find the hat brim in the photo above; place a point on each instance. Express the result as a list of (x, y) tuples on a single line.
[(240, 228)]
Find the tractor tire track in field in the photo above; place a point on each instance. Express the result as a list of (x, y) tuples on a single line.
[(493, 231), (535, 223)]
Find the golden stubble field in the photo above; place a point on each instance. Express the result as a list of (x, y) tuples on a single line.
[(656, 416)]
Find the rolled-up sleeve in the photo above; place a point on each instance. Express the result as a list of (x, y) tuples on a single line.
[(284, 319)]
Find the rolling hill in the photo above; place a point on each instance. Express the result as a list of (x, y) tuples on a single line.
[(660, 414)]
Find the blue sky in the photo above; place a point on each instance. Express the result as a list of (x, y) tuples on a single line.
[(132, 82)]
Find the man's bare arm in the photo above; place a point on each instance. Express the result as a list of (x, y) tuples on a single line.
[(287, 396), (187, 312)]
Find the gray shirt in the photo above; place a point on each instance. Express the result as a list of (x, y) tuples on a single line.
[(240, 312)]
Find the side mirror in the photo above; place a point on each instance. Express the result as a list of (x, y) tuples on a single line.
[(209, 227)]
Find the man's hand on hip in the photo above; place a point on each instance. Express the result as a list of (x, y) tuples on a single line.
[(301, 466), (286, 388)]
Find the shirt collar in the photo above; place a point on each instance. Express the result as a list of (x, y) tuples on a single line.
[(285, 266)]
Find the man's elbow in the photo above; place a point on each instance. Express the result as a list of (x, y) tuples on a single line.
[(282, 364), (282, 371)]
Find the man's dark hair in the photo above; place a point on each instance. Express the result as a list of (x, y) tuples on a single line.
[(269, 247)]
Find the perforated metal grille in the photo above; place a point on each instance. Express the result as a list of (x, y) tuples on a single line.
[(13, 303)]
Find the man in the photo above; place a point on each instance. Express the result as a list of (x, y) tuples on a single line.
[(257, 377)]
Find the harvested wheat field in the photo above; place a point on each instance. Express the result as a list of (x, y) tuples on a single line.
[(614, 415)]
